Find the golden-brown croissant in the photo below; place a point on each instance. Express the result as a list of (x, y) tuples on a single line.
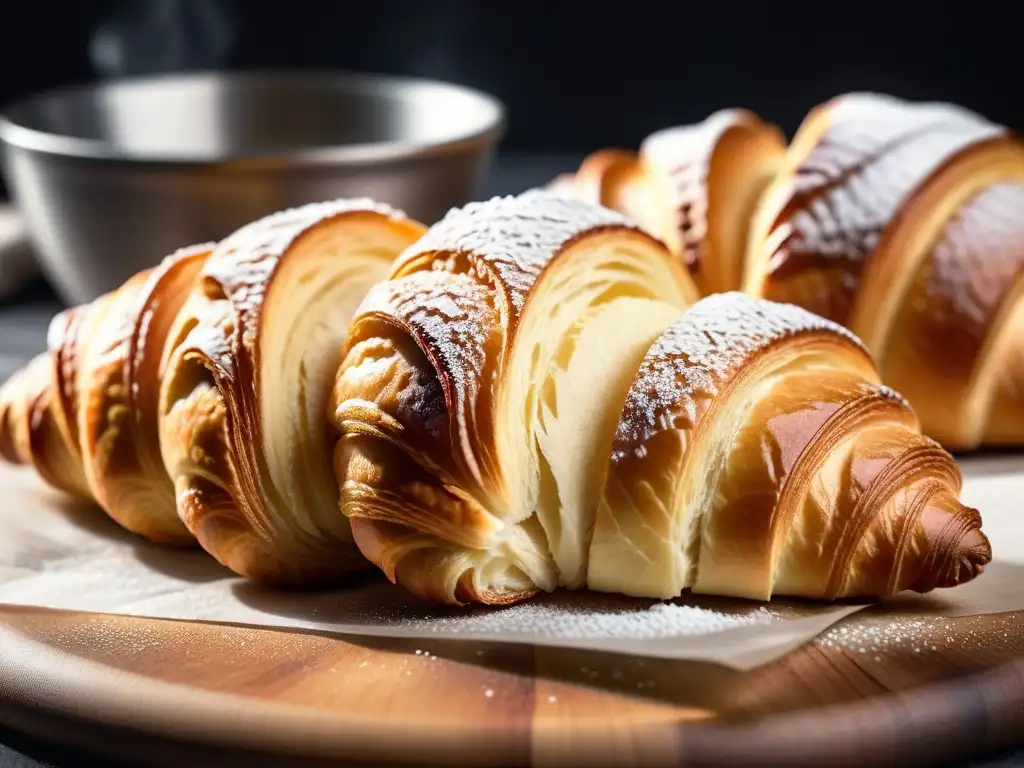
[(533, 399), (189, 402), (251, 361), (902, 221), (84, 412)]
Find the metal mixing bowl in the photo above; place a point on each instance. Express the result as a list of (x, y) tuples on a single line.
[(112, 177)]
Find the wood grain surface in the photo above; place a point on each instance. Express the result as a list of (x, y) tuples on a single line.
[(867, 691)]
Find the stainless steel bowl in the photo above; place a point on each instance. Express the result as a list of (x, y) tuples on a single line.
[(112, 177)]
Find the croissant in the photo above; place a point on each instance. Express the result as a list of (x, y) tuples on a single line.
[(189, 402), (537, 398), (251, 360), (902, 221)]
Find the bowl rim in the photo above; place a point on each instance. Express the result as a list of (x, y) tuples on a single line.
[(17, 135)]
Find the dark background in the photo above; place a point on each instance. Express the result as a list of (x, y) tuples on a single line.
[(574, 75)]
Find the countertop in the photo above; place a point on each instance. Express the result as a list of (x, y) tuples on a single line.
[(23, 324)]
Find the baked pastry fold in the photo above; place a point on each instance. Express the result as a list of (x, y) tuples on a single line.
[(250, 362), (692, 186), (457, 392), (535, 399)]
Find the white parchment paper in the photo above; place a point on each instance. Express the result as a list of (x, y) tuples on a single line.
[(58, 554)]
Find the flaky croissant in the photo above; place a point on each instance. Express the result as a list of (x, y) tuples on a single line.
[(251, 360), (189, 403), (902, 221), (535, 398), (84, 413)]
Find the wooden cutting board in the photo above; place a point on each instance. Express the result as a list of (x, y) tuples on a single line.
[(164, 692)]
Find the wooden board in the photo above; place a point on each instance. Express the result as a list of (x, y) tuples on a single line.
[(166, 692)]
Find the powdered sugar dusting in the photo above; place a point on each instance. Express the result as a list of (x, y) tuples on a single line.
[(243, 263), (890, 394), (875, 153), (683, 155), (452, 317), (513, 238), (661, 620), (232, 286), (212, 337), (691, 360)]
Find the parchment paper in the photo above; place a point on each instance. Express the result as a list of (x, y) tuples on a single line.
[(57, 554)]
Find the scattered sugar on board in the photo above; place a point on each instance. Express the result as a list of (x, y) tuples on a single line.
[(657, 621), (880, 635)]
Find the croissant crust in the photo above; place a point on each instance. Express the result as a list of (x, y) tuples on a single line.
[(250, 365)]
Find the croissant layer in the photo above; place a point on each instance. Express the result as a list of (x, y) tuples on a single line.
[(118, 416), (84, 413), (250, 363), (535, 399)]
